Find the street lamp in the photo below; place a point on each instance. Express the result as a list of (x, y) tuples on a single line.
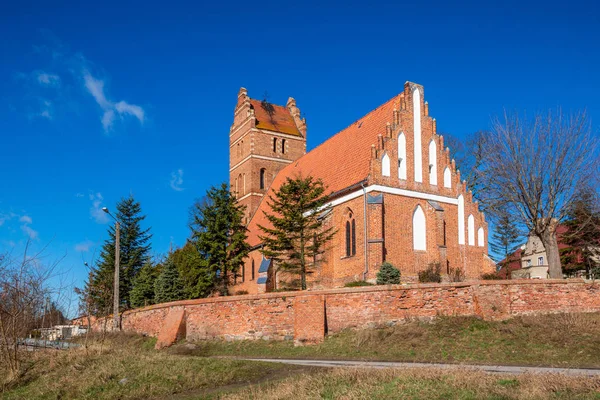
[(117, 257)]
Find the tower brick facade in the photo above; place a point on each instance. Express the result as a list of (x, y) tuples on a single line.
[(264, 139)]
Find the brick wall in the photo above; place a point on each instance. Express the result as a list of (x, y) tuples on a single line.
[(308, 316)]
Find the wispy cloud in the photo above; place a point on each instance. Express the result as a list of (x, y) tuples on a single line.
[(46, 79), (111, 109), (26, 219), (96, 212), (25, 227), (84, 246), (177, 180)]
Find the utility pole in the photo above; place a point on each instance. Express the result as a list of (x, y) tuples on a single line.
[(117, 268)]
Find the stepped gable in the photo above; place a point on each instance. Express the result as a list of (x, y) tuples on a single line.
[(274, 118), (341, 161)]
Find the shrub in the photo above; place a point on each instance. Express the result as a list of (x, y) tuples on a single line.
[(357, 284), (491, 276), (241, 292), (388, 274), (431, 274), (456, 275)]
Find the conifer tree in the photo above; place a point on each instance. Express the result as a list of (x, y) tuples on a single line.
[(220, 236), (388, 274), (582, 237), (193, 269), (168, 285), (296, 237), (142, 292), (505, 238), (135, 249)]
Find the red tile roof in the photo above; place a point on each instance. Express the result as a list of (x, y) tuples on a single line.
[(341, 161), (278, 119)]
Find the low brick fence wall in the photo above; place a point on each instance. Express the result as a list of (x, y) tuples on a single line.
[(308, 316)]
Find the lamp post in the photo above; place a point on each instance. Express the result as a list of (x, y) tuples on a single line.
[(117, 267)]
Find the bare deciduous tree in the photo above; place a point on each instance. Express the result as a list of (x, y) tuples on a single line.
[(532, 169)]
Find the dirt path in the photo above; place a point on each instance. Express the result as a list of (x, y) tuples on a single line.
[(503, 369)]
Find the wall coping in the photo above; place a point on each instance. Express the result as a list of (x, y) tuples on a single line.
[(361, 289)]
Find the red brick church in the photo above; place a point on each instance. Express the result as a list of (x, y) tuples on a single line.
[(396, 194)]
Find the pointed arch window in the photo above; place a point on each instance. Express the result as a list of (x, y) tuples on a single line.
[(274, 145), (432, 163), (282, 146), (402, 156), (244, 184), (350, 235), (471, 230), (480, 237), (419, 230), (244, 273), (385, 165), (461, 219), (417, 135), (262, 178), (447, 178), (252, 270)]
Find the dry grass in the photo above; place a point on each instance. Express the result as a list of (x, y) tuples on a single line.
[(127, 367), (422, 384), (558, 340)]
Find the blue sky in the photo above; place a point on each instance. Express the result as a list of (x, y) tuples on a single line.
[(97, 102)]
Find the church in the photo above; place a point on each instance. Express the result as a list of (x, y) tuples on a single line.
[(396, 194)]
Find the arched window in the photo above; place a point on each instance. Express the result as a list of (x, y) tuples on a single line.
[(262, 179), (461, 220), (244, 272), (447, 178), (418, 151), (252, 269), (385, 165), (419, 230), (480, 237), (282, 146), (239, 183), (238, 150), (236, 186), (274, 145), (401, 156), (350, 235), (432, 163), (471, 230), (244, 184)]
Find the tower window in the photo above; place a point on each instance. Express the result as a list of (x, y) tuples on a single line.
[(282, 146), (252, 270), (262, 179), (274, 145)]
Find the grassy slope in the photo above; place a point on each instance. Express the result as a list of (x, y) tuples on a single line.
[(77, 374), (560, 340)]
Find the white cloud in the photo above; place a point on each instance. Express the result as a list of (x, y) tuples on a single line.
[(46, 114), (84, 247), (26, 219), (96, 88), (177, 180), (33, 234), (79, 195), (46, 79), (96, 210)]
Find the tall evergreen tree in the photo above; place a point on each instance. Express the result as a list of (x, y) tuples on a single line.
[(193, 269), (582, 237), (505, 239), (168, 285), (135, 249), (296, 237), (142, 292), (220, 236)]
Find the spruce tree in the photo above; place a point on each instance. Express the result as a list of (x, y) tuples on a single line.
[(142, 292), (168, 285), (296, 237), (505, 239), (220, 236), (135, 249), (582, 236), (388, 274), (193, 269)]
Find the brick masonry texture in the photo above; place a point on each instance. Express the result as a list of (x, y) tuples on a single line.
[(307, 317)]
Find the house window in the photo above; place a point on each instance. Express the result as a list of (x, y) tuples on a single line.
[(419, 230), (350, 235), (262, 179), (252, 270), (540, 260), (274, 145), (282, 146), (385, 165), (528, 263)]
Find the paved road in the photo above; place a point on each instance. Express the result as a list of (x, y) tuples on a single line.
[(503, 369)]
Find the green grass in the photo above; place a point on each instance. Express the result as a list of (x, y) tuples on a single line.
[(560, 340), (127, 367)]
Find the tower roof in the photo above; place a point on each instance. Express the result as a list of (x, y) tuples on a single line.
[(274, 118)]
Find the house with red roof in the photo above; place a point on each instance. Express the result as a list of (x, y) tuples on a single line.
[(396, 194)]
